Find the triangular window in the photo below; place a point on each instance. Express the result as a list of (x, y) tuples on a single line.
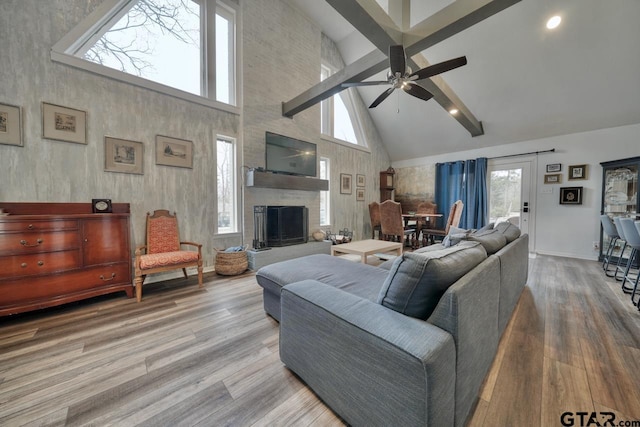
[(338, 116)]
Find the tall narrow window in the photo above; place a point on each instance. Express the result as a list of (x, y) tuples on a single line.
[(338, 118), (227, 186), (325, 196), (170, 42)]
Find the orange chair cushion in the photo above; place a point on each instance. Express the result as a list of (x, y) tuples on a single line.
[(163, 235), (166, 259)]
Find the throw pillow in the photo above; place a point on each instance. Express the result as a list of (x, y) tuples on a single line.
[(491, 240), (417, 281), (455, 236), (510, 231)]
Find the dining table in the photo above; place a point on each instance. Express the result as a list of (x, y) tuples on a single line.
[(417, 216)]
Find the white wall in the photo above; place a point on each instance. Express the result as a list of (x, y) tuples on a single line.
[(563, 230)]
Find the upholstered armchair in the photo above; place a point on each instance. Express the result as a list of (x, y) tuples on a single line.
[(392, 224), (162, 251)]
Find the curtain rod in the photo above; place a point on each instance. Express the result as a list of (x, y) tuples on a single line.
[(523, 154)]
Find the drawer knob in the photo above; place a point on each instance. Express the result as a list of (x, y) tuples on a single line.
[(25, 243), (40, 263), (23, 265), (30, 226), (113, 276)]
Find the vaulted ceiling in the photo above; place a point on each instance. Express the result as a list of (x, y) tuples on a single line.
[(522, 81)]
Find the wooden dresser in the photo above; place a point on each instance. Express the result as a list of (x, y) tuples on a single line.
[(54, 253)]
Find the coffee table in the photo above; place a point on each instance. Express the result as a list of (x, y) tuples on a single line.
[(364, 248)]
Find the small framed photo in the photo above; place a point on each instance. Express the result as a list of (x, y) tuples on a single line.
[(121, 155), (554, 167), (577, 172), (360, 194), (10, 125), (64, 124), (345, 183), (360, 180), (174, 152), (570, 195), (554, 178)]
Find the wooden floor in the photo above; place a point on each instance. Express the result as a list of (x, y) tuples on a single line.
[(189, 356)]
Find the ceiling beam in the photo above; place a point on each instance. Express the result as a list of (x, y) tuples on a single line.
[(371, 20)]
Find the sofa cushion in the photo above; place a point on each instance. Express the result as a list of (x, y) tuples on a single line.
[(455, 236), (510, 231), (491, 240), (416, 281)]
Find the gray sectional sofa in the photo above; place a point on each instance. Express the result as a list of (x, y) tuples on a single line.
[(405, 343)]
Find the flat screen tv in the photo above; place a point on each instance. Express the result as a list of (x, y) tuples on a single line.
[(290, 155)]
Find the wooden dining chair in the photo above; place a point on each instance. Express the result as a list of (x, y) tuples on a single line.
[(162, 251), (423, 225), (453, 220), (374, 214), (392, 224)]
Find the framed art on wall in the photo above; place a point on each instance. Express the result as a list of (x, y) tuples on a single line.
[(121, 155), (359, 194), (570, 195), (10, 125), (554, 167), (554, 178), (360, 180), (174, 152), (345, 183), (577, 172), (64, 124)]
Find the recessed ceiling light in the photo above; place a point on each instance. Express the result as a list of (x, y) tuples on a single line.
[(453, 111), (553, 22)]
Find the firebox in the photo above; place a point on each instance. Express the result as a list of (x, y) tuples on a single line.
[(287, 225)]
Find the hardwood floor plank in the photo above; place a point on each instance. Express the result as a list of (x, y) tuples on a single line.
[(209, 356)]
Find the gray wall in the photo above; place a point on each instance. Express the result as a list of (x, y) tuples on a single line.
[(280, 52)]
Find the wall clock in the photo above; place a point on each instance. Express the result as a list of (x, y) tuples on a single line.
[(101, 205)]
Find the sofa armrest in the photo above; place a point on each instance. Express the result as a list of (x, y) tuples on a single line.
[(371, 365)]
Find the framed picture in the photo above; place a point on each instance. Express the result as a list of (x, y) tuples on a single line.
[(554, 167), (360, 194), (360, 180), (577, 172), (121, 155), (554, 178), (10, 125), (174, 152), (64, 124), (345, 183), (570, 195)]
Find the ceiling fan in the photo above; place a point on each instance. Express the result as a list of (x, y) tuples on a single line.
[(400, 76)]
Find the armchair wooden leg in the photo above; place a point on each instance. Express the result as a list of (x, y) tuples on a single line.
[(138, 285), (200, 275), (184, 271)]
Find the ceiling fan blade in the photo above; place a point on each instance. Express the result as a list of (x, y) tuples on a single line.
[(441, 67), (373, 83), (397, 61), (417, 91), (382, 97)]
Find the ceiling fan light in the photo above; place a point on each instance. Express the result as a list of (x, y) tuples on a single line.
[(553, 22), (453, 111)]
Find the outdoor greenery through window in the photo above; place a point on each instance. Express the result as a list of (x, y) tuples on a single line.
[(504, 194), (165, 41), (337, 115), (226, 186)]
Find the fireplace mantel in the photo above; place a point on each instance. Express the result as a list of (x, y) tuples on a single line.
[(285, 182)]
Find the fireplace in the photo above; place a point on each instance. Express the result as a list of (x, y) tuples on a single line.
[(287, 225)]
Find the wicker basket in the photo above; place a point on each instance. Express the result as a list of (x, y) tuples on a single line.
[(231, 263)]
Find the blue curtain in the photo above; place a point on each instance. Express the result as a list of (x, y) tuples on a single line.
[(466, 181)]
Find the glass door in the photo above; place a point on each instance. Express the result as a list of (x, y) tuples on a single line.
[(509, 194)]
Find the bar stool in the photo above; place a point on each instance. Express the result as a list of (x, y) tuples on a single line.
[(610, 230), (635, 287), (619, 266), (632, 237)]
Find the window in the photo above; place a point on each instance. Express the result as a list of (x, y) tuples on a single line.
[(176, 43), (325, 198), (337, 115), (226, 185)]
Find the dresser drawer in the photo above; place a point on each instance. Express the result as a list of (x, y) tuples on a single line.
[(87, 282), (49, 225), (34, 242), (41, 263)]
